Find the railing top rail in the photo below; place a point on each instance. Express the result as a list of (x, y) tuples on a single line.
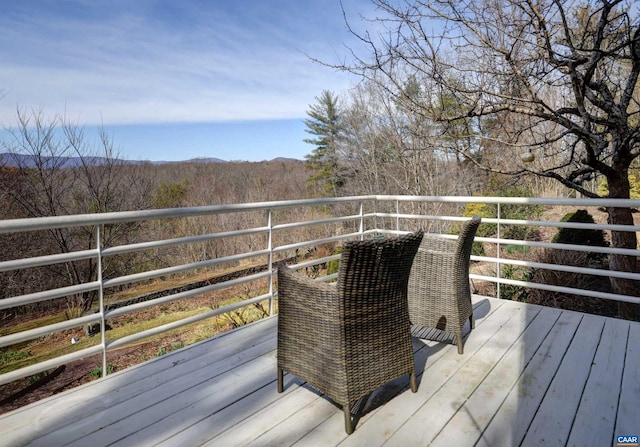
[(75, 220), (78, 220), (623, 203)]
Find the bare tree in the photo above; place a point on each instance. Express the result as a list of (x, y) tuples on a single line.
[(389, 149), (557, 79), (58, 171)]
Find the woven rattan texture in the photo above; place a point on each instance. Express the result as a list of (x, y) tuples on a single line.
[(439, 293), (347, 339)]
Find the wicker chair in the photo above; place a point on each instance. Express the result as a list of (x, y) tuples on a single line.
[(348, 338), (439, 294)]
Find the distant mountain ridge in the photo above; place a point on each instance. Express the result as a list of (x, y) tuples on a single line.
[(192, 160), (10, 159), (14, 160)]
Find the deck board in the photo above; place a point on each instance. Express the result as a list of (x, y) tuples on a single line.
[(595, 419), (465, 427), (476, 363), (511, 421), (529, 375), (628, 416), (553, 420)]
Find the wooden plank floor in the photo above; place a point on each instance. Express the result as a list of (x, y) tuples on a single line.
[(529, 376)]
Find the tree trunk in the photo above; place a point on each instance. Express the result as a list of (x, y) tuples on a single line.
[(623, 263)]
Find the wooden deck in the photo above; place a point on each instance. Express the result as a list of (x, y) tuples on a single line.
[(529, 376)]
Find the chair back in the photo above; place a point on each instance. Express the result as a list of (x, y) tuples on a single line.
[(465, 244), (375, 269)]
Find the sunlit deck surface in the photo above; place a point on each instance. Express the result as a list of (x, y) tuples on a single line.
[(529, 375)]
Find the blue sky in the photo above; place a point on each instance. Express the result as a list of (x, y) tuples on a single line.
[(174, 80)]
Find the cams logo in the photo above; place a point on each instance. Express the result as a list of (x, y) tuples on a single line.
[(629, 441)]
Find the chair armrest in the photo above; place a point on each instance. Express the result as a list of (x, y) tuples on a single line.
[(305, 301), (309, 326)]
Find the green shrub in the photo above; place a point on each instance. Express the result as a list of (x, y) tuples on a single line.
[(581, 236), (11, 355), (41, 375), (470, 209), (96, 372), (511, 292), (484, 211), (334, 264), (513, 249), (511, 211), (477, 249)]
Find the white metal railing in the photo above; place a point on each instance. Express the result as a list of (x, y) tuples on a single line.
[(369, 215)]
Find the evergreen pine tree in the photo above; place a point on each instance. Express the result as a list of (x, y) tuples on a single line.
[(324, 123)]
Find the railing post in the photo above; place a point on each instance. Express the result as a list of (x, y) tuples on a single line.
[(103, 337), (361, 213), (498, 273), (270, 261), (397, 215)]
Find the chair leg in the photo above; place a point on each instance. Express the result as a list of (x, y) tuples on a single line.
[(280, 381), (348, 423), (412, 381), (472, 321), (459, 342)]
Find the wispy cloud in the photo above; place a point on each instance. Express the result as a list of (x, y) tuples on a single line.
[(155, 61)]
